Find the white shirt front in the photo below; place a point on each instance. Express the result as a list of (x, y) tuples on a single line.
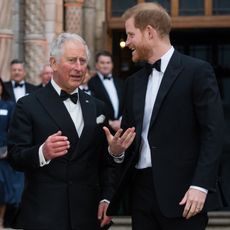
[(75, 113), (153, 86), (112, 92), (19, 91)]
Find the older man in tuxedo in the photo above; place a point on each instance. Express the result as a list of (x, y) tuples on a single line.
[(56, 138), (175, 107)]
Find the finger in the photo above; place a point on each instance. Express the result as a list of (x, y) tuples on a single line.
[(59, 144), (118, 134), (100, 211), (58, 138), (186, 209), (60, 149), (107, 133), (129, 140)]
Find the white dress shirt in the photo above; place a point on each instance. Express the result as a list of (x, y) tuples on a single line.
[(75, 114), (19, 91), (153, 86), (112, 92)]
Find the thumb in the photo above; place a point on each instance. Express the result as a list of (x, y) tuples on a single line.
[(184, 199), (107, 133)]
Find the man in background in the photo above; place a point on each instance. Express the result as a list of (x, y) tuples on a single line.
[(17, 87), (108, 88), (45, 75)]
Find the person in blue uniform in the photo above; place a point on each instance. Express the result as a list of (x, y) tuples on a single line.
[(10, 186)]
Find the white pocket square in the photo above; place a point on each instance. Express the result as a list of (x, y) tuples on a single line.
[(100, 119)]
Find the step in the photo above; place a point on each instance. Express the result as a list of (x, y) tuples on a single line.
[(217, 221)]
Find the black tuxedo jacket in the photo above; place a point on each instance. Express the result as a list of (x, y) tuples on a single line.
[(98, 90), (185, 133), (29, 89), (65, 193)]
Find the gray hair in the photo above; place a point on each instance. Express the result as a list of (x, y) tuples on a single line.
[(58, 43)]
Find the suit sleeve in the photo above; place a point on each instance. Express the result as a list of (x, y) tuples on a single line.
[(208, 109), (22, 154)]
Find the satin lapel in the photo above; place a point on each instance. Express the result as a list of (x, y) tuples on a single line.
[(119, 94), (89, 115), (172, 71), (100, 86), (140, 87), (57, 111)]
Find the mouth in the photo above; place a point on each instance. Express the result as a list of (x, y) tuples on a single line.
[(133, 50)]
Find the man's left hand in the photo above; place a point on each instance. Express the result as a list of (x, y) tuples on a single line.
[(194, 202)]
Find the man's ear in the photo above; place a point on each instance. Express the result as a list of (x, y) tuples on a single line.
[(151, 31), (53, 63)]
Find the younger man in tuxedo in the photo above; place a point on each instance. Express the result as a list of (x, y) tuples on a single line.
[(17, 87), (175, 106), (56, 138)]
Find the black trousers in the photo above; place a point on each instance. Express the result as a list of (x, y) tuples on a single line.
[(146, 214)]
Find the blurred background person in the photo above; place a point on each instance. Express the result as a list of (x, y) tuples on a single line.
[(108, 88), (45, 75), (84, 86), (17, 87), (11, 183)]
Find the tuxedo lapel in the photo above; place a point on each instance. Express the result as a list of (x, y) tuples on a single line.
[(172, 71), (89, 117), (140, 87), (101, 87), (56, 109)]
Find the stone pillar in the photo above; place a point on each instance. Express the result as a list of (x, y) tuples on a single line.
[(73, 16), (53, 20), (35, 42), (6, 36), (89, 32)]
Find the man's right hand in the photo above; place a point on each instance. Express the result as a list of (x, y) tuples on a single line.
[(119, 142), (55, 145)]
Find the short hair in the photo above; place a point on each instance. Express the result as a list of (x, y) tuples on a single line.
[(58, 43), (152, 14), (16, 61), (103, 53)]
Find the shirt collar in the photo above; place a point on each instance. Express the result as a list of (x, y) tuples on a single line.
[(166, 58), (21, 82), (102, 77), (58, 88)]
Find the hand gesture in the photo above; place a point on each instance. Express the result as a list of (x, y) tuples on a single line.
[(55, 145), (119, 142)]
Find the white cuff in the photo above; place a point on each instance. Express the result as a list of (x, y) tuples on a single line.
[(117, 159), (105, 200), (42, 160), (199, 188)]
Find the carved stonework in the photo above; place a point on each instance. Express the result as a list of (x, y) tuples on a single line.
[(35, 42), (73, 16), (6, 36)]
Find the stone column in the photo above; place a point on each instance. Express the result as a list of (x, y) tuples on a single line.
[(89, 25), (6, 36), (35, 42), (73, 16)]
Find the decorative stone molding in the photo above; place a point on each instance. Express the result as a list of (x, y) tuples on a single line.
[(6, 37), (35, 42)]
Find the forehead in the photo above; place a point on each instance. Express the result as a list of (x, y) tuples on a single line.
[(74, 49), (17, 66), (129, 24), (103, 58)]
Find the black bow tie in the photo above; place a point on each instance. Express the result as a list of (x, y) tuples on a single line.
[(16, 84), (156, 65), (106, 77), (73, 97)]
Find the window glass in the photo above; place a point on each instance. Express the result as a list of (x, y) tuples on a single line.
[(165, 3), (119, 6), (191, 7), (221, 7)]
